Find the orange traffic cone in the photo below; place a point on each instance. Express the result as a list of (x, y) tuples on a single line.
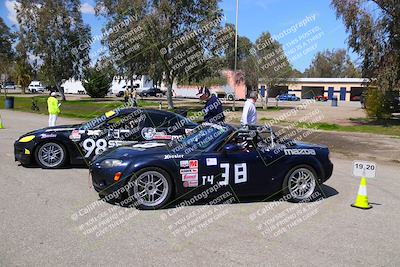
[(362, 198)]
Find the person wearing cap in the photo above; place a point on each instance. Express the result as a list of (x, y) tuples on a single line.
[(249, 115), (53, 108), (213, 111)]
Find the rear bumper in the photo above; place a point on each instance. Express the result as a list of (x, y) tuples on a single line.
[(328, 170)]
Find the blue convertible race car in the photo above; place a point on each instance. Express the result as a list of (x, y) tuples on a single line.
[(248, 162)]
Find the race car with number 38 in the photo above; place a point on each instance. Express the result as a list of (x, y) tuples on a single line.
[(54, 147), (247, 161)]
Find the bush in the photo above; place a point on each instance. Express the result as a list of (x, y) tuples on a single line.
[(96, 83), (378, 104)]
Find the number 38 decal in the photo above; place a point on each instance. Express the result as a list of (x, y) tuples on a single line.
[(98, 146), (240, 174)]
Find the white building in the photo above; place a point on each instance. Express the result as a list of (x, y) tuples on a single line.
[(73, 86), (141, 82)]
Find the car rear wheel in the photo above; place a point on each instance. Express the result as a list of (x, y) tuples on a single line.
[(51, 155), (300, 183), (151, 188)]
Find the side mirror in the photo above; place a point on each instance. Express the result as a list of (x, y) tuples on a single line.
[(231, 148)]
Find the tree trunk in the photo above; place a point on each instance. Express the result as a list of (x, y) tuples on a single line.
[(265, 102), (169, 93), (61, 90), (169, 96)]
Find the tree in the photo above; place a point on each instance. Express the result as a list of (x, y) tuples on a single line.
[(332, 64), (374, 34), (54, 31), (97, 82), (296, 74), (23, 74), (171, 32), (273, 65), (6, 49)]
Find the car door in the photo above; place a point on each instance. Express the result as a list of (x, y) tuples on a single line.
[(118, 130), (249, 170)]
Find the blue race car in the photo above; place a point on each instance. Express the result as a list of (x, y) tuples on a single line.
[(287, 97), (249, 162)]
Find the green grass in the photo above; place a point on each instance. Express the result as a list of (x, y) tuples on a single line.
[(91, 108), (393, 130), (270, 109), (83, 109)]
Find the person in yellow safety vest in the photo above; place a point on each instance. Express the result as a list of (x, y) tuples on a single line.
[(54, 109)]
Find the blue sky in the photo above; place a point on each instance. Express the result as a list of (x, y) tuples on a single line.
[(255, 17)]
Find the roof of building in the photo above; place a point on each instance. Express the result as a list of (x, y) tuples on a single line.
[(326, 80)]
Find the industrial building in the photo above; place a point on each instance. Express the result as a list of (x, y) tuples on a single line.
[(345, 89)]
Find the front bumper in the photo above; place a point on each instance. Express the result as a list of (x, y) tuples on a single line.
[(24, 153), (103, 180)]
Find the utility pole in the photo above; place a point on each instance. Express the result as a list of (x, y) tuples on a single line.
[(236, 47)]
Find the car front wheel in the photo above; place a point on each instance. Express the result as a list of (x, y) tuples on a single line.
[(151, 188), (300, 183), (51, 155)]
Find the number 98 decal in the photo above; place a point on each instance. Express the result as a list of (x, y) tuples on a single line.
[(98, 146)]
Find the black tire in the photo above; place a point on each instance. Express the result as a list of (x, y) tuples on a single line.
[(42, 162), (139, 202), (285, 186)]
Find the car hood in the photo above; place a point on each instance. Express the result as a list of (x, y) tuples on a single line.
[(60, 128), (142, 149)]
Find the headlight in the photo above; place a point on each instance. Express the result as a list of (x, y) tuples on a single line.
[(26, 139), (110, 163)]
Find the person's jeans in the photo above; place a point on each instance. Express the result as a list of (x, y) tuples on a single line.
[(52, 120)]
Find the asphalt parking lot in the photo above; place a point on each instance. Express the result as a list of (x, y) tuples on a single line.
[(53, 218)]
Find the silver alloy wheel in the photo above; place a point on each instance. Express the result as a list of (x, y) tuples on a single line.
[(301, 183), (51, 155), (151, 188)]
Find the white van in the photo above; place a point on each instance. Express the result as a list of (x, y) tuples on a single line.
[(36, 87)]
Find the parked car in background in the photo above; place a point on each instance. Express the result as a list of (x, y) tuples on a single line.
[(287, 97), (36, 87), (152, 92), (321, 98), (9, 85), (355, 98)]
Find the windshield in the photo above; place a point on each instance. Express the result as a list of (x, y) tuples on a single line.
[(98, 120), (201, 137)]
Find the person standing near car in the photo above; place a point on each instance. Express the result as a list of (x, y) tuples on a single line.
[(126, 95), (134, 96), (213, 111), (249, 115), (53, 108)]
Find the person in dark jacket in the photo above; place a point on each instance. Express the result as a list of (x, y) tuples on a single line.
[(213, 111)]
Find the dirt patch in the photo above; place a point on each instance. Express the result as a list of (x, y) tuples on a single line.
[(357, 145)]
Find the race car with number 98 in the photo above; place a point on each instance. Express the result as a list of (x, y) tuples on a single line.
[(246, 161), (54, 147)]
